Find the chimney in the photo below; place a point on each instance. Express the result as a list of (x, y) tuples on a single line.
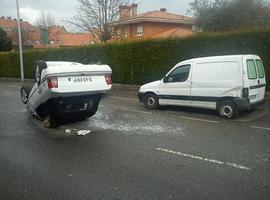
[(163, 10), (124, 12), (9, 18), (21, 20), (134, 10)]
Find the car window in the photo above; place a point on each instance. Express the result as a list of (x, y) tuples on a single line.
[(260, 68), (251, 69), (180, 74)]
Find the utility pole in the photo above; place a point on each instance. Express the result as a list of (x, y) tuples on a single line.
[(20, 41)]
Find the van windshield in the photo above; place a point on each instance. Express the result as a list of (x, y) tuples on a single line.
[(260, 68)]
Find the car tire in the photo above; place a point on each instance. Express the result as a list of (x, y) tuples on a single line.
[(25, 91), (94, 108), (151, 101), (228, 109)]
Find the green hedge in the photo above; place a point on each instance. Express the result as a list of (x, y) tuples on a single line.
[(144, 61)]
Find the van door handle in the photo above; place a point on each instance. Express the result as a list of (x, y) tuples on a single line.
[(259, 82)]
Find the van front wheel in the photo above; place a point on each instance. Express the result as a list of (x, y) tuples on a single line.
[(151, 101), (228, 109)]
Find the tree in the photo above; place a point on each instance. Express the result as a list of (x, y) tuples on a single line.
[(97, 16), (5, 42), (45, 20), (221, 15)]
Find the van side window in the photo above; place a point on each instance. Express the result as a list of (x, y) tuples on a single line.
[(251, 69), (260, 68), (180, 74)]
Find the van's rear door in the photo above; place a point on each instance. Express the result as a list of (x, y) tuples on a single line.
[(261, 79), (256, 79)]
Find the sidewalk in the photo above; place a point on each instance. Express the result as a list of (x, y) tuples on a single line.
[(126, 91)]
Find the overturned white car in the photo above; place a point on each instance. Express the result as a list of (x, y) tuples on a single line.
[(66, 89)]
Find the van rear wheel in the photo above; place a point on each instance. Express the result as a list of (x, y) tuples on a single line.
[(228, 109), (151, 101)]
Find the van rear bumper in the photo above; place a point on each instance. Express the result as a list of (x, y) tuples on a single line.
[(244, 104)]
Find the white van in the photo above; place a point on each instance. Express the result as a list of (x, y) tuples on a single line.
[(228, 84)]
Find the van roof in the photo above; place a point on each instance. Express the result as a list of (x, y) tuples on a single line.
[(223, 57)]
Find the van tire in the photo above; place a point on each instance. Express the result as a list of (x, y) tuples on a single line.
[(228, 109), (151, 101)]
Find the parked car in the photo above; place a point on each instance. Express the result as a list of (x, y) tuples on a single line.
[(66, 89), (228, 84)]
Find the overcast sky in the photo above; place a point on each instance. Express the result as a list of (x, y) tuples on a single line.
[(65, 9)]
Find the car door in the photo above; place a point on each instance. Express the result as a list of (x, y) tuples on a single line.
[(35, 96), (175, 87)]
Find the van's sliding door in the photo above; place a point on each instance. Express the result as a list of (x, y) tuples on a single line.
[(214, 80)]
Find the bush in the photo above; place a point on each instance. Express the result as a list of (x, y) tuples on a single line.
[(5, 42), (144, 61)]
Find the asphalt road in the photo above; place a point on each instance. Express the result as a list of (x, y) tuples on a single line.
[(133, 153)]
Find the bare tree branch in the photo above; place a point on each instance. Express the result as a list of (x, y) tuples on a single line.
[(45, 20), (97, 16)]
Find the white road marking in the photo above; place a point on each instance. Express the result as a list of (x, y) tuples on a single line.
[(204, 159), (263, 128), (202, 120)]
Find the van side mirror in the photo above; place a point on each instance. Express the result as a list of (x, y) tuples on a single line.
[(165, 79)]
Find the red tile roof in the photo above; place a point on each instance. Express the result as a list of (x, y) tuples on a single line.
[(75, 39), (8, 24), (157, 16), (172, 33), (58, 35)]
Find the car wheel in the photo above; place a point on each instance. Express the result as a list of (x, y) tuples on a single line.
[(25, 94), (151, 101), (228, 109)]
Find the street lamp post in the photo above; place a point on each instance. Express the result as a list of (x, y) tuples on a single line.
[(20, 41)]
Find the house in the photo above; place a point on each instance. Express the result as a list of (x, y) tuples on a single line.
[(38, 37), (29, 33), (153, 24), (58, 36)]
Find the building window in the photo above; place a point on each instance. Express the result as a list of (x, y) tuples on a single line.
[(139, 30), (126, 32)]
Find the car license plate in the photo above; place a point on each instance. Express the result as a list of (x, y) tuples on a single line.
[(82, 79)]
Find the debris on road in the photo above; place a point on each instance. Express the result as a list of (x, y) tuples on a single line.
[(77, 132)]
